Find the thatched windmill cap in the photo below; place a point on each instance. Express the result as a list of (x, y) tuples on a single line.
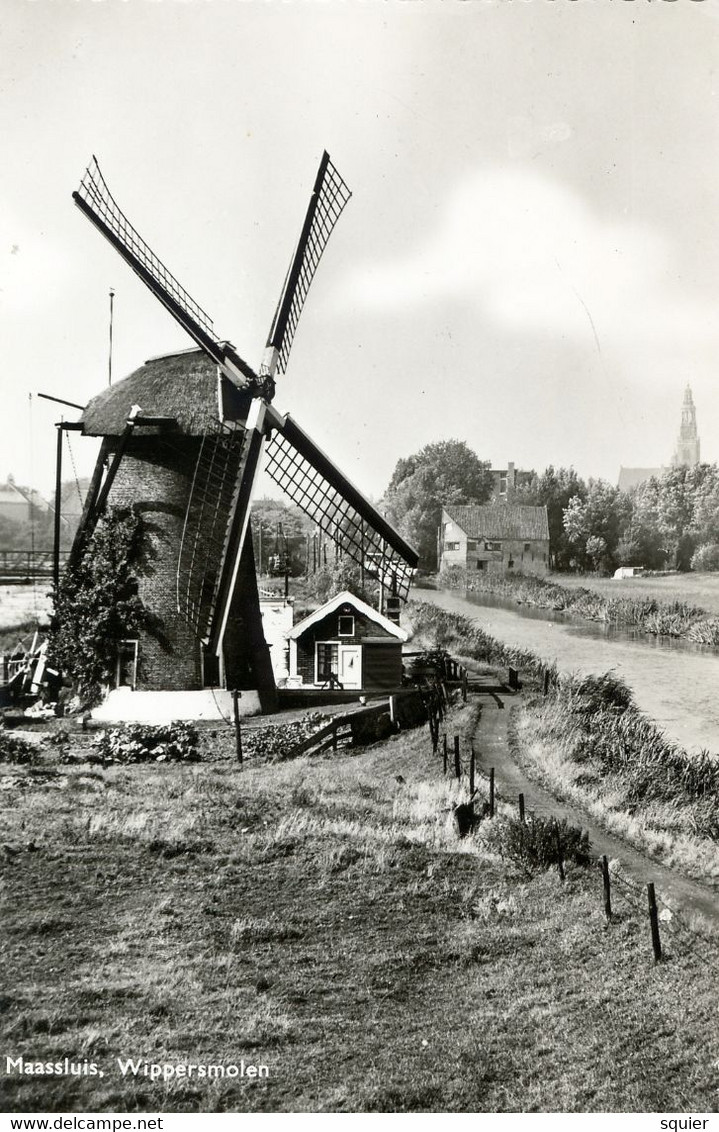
[(182, 387)]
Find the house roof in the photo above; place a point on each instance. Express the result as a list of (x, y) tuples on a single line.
[(346, 598), (11, 492), (633, 477), (501, 520)]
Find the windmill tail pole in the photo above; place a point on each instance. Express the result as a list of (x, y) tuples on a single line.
[(109, 360), (56, 527)]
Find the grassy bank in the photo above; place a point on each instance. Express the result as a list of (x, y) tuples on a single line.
[(642, 611), (587, 742), (321, 918), (433, 627)]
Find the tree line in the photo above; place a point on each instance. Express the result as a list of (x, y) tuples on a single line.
[(671, 522)]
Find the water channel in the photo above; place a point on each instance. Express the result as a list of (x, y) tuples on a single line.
[(674, 682)]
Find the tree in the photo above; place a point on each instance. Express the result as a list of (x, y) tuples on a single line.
[(442, 474), (553, 490), (595, 524), (268, 516)]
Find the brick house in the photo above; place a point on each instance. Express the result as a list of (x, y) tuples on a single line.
[(347, 644), (496, 537), (506, 482)]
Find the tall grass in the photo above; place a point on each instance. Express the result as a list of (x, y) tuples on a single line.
[(645, 614), (464, 637), (604, 730)]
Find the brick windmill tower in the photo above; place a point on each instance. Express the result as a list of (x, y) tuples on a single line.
[(182, 441)]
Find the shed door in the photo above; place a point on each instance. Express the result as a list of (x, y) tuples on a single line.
[(350, 666)]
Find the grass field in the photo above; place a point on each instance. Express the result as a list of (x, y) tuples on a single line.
[(321, 918), (701, 590)]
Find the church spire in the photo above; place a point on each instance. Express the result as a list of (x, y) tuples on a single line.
[(687, 450)]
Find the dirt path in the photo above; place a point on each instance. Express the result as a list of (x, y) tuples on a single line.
[(492, 747)]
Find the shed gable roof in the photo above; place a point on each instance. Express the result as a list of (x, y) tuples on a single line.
[(347, 598), (501, 520)]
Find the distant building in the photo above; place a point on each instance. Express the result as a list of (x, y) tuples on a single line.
[(496, 537), (686, 453), (505, 482), (630, 478), (21, 504), (687, 450)]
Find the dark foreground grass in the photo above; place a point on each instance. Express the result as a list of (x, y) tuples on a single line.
[(321, 918)]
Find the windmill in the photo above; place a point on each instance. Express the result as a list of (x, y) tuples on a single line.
[(190, 429)]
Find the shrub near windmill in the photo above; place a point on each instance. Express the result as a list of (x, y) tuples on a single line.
[(182, 439)]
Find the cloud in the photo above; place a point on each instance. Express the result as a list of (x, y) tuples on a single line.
[(532, 257)]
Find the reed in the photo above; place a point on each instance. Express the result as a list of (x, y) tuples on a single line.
[(643, 614)]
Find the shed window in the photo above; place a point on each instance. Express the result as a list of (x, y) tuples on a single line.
[(492, 545), (527, 546), (472, 545), (327, 661), (451, 546), (345, 625)]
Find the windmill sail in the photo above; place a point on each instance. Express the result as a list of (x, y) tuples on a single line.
[(329, 196), (310, 479), (214, 483), (98, 204)]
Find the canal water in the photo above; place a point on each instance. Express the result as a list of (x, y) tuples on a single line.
[(675, 682)]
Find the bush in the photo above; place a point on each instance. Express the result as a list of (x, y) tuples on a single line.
[(533, 844), (597, 693), (277, 741), (16, 750), (140, 743), (706, 557)]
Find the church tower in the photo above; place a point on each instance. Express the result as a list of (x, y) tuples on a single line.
[(687, 450)]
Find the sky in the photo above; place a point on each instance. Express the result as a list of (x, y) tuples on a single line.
[(529, 261)]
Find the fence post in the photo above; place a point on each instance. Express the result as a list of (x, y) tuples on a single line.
[(471, 770), (546, 681), (654, 921), (334, 734), (393, 709), (457, 761), (521, 807), (560, 859), (607, 888), (444, 737), (513, 679), (238, 729), (491, 792), (464, 685)]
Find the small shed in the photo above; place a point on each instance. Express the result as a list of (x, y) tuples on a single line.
[(346, 644)]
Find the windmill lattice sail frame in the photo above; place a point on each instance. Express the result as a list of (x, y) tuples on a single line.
[(329, 197), (310, 479)]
